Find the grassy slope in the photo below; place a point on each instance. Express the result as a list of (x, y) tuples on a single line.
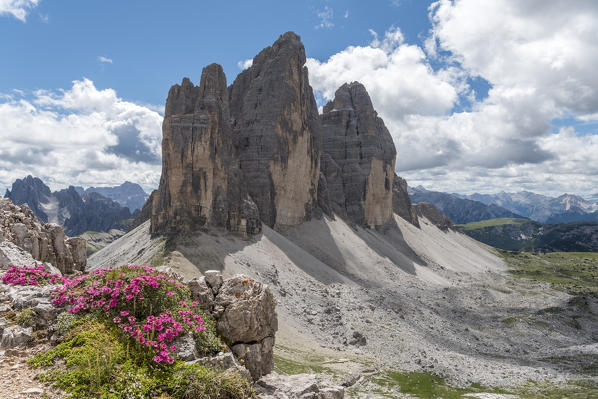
[(573, 272), (492, 222)]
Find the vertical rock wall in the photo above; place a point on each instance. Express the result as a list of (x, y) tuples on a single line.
[(201, 183), (277, 130), (359, 158)]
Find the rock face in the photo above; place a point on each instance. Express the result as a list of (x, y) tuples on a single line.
[(201, 184), (45, 242), (299, 386), (437, 218), (245, 313), (277, 131), (76, 212), (401, 203), (358, 158)]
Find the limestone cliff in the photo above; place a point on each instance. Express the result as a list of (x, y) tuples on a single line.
[(401, 202), (358, 158), (277, 130), (201, 185)]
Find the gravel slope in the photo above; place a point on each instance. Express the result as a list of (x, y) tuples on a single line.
[(408, 298)]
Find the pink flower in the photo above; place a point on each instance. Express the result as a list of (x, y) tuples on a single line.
[(170, 293), (116, 320), (124, 313)]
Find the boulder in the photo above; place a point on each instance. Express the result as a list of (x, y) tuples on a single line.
[(299, 386), (14, 336), (245, 314), (358, 158), (214, 279), (258, 358), (277, 133), (246, 310), (202, 293), (185, 347)]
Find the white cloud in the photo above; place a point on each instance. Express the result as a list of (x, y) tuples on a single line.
[(326, 16), (243, 65), (346, 14), (17, 8), (540, 66), (79, 136), (104, 60)]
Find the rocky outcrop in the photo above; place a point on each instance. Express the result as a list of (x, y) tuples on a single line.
[(299, 386), (76, 212), (245, 314), (201, 184), (401, 203), (46, 243), (277, 132), (437, 218), (358, 158)]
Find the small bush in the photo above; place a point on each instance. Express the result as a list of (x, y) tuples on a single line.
[(25, 317), (64, 322)]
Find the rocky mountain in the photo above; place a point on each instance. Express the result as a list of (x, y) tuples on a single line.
[(529, 235), (541, 208), (129, 195), (358, 158), (460, 210), (21, 230), (76, 213), (258, 151)]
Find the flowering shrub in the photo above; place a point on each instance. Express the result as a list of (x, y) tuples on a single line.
[(150, 308), (30, 275)]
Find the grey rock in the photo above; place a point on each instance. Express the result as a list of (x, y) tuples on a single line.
[(222, 361), (401, 203), (300, 386), (358, 158), (201, 184), (249, 310), (258, 358), (214, 279), (277, 133), (185, 347), (358, 339), (202, 293), (14, 336), (46, 242), (46, 313), (437, 218)]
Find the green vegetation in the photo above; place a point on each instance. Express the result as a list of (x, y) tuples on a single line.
[(573, 272), (492, 222), (25, 317), (100, 364), (426, 385)]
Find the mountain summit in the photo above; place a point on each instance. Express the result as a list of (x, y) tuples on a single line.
[(259, 152)]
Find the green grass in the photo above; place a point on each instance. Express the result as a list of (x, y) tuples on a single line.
[(492, 222), (572, 272), (93, 361)]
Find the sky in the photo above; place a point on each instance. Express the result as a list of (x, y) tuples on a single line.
[(479, 96)]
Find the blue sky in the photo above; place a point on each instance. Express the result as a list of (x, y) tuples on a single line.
[(478, 96), (153, 44)]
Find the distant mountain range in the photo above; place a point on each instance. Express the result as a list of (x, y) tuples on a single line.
[(460, 210), (528, 235), (76, 209), (127, 194), (525, 204)]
